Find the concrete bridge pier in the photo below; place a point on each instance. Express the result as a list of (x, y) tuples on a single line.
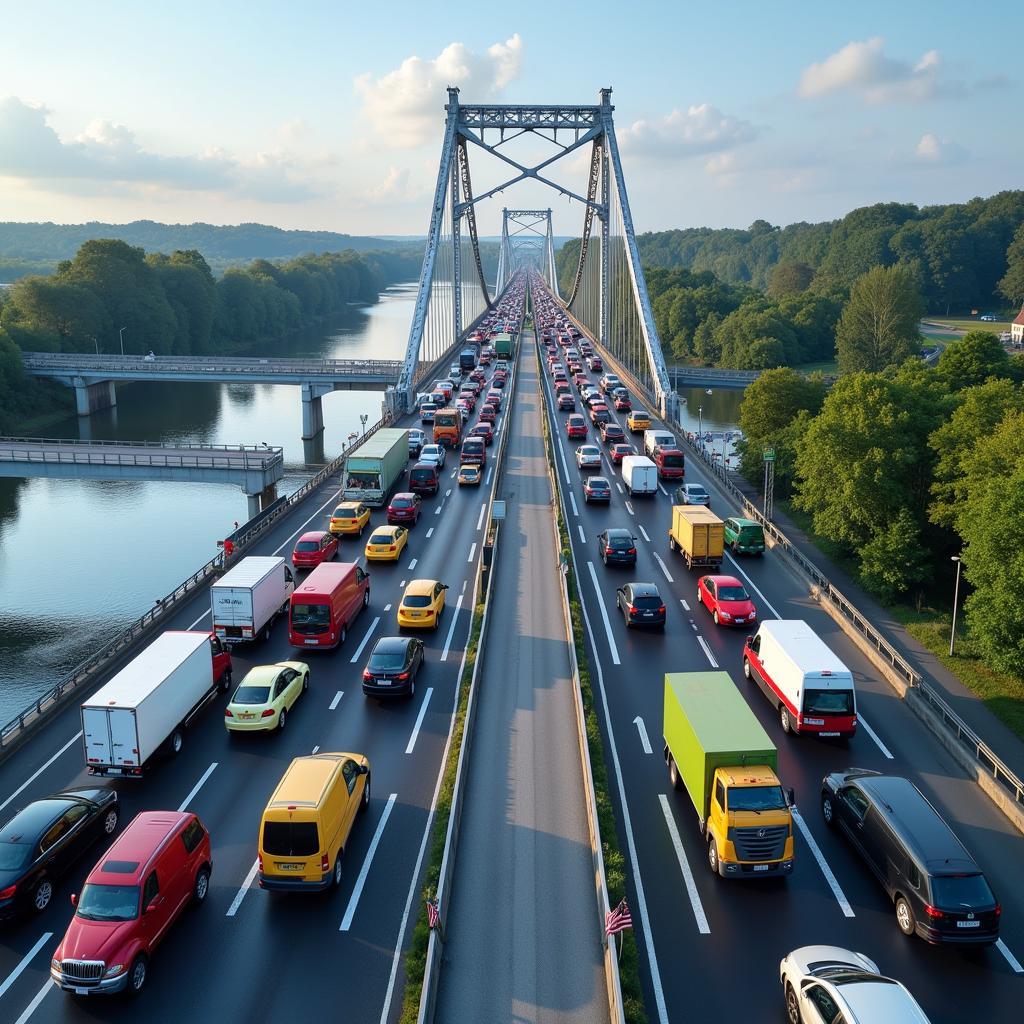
[(313, 410), (92, 396), (261, 500)]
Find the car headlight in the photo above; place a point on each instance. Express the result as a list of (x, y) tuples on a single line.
[(55, 964), (723, 615), (113, 971)]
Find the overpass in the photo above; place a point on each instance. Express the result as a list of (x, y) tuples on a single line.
[(254, 468)]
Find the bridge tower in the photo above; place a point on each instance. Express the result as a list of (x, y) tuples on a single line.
[(527, 239)]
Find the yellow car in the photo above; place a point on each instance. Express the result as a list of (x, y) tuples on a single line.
[(422, 604), (350, 517), (265, 696), (469, 475), (637, 421), (386, 544)]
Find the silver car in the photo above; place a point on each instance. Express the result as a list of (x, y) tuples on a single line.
[(433, 453), (588, 456)]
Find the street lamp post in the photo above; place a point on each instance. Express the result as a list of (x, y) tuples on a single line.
[(97, 344), (362, 419), (956, 601), (700, 425), (123, 329)]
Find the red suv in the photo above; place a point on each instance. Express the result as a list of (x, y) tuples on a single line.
[(156, 867)]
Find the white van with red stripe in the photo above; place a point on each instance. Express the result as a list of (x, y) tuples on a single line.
[(811, 688)]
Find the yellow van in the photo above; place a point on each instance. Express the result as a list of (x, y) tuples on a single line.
[(308, 819)]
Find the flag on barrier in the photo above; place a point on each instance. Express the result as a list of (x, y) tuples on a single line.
[(433, 913), (618, 920)]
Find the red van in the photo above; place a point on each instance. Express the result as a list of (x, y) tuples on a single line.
[(323, 606), (474, 452), (670, 463), (155, 868), (424, 478)]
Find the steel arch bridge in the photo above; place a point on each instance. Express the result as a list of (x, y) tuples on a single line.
[(608, 297)]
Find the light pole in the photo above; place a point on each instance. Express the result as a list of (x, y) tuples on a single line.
[(956, 601), (97, 344), (123, 329), (362, 419), (700, 426)]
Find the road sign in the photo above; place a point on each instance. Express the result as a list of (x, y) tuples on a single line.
[(498, 510), (769, 455)]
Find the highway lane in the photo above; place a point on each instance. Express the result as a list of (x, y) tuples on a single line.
[(765, 922), (352, 932)]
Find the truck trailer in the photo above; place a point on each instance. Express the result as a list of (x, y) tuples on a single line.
[(248, 598), (699, 534), (370, 474), (717, 751), (149, 703)]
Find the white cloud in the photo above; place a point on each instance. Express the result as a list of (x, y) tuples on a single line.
[(396, 186), (864, 68), (106, 153), (405, 106), (695, 131), (933, 150), (723, 169)]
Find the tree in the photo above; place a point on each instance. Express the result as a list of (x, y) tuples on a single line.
[(879, 325), (789, 278), (1012, 283), (977, 356), (895, 560), (48, 304)]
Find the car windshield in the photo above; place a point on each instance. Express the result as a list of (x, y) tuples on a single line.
[(732, 594), (470, 471), (416, 600), (251, 695), (13, 855), (750, 533), (954, 892), (344, 513), (290, 838), (695, 494), (599, 483), (382, 538), (674, 460), (108, 903), (307, 545), (828, 702), (402, 503), (756, 798), (620, 543), (422, 474), (386, 661), (646, 601), (310, 614)]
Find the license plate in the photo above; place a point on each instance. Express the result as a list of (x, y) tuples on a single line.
[(80, 991), (246, 715), (814, 721), (383, 682), (414, 615), (968, 924), (828, 734), (311, 643), (761, 867), (291, 867), (648, 615), (113, 771), (740, 618)]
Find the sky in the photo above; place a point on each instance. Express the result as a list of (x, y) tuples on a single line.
[(330, 115)]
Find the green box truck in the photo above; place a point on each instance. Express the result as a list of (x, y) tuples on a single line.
[(502, 345), (371, 473), (717, 751)]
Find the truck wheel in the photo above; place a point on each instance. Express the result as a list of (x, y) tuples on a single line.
[(266, 631), (673, 773), (713, 857), (671, 543), (177, 741), (201, 887), (137, 974), (225, 681), (341, 635), (784, 720)]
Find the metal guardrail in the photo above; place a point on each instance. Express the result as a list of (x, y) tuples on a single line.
[(87, 670), (43, 450), (91, 364)]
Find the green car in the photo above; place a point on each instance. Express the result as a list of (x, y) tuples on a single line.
[(744, 537)]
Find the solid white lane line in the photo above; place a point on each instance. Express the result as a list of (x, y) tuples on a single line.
[(629, 509), (480, 518), (753, 585), (1010, 958), (366, 639), (861, 720), (39, 771), (412, 564), (684, 866), (195, 789), (604, 616), (707, 650), (25, 961), (292, 536), (565, 465), (357, 890), (240, 895), (663, 491), (575, 508), (664, 567), (684, 604), (337, 700), (419, 721), (430, 533), (643, 533), (200, 619), (39, 997), (583, 536), (451, 629), (472, 551), (833, 884), (487, 478), (645, 741)]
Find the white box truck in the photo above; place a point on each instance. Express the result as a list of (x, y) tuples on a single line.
[(658, 436), (639, 475), (248, 598), (151, 700)]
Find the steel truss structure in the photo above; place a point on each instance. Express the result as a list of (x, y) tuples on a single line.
[(609, 294)]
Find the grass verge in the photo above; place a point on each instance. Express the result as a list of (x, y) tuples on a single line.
[(969, 324), (416, 958), (614, 862)]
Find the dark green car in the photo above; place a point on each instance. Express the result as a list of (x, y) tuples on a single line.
[(744, 537)]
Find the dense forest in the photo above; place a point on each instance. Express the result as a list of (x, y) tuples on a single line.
[(173, 304)]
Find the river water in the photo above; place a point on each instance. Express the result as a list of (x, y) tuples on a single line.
[(80, 560)]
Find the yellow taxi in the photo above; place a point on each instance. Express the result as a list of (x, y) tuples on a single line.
[(637, 421), (350, 517), (469, 475), (422, 604), (386, 544)]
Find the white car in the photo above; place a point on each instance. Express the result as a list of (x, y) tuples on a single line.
[(433, 453), (588, 456), (822, 984)]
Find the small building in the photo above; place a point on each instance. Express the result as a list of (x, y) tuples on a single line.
[(1017, 329)]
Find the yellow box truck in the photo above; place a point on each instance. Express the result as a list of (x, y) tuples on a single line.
[(717, 751), (699, 534)]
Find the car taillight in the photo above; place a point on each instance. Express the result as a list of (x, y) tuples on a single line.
[(633, 609), (933, 911), (259, 858), (998, 910), (402, 676), (631, 551), (6, 894), (661, 610), (227, 713), (325, 864), (367, 675), (391, 547), (269, 713)]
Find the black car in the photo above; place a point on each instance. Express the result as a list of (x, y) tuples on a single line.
[(938, 890), (393, 666), (45, 839), (616, 546), (641, 605)]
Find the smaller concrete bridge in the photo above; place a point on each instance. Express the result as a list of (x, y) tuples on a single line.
[(255, 469)]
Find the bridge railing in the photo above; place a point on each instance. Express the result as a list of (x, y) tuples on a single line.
[(48, 450), (15, 731), (69, 361)]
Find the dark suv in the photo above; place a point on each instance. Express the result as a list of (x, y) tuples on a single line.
[(616, 547), (937, 887)]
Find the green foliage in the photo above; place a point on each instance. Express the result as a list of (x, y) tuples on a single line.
[(21, 397), (977, 356), (879, 325), (895, 559), (790, 277), (1011, 286)]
